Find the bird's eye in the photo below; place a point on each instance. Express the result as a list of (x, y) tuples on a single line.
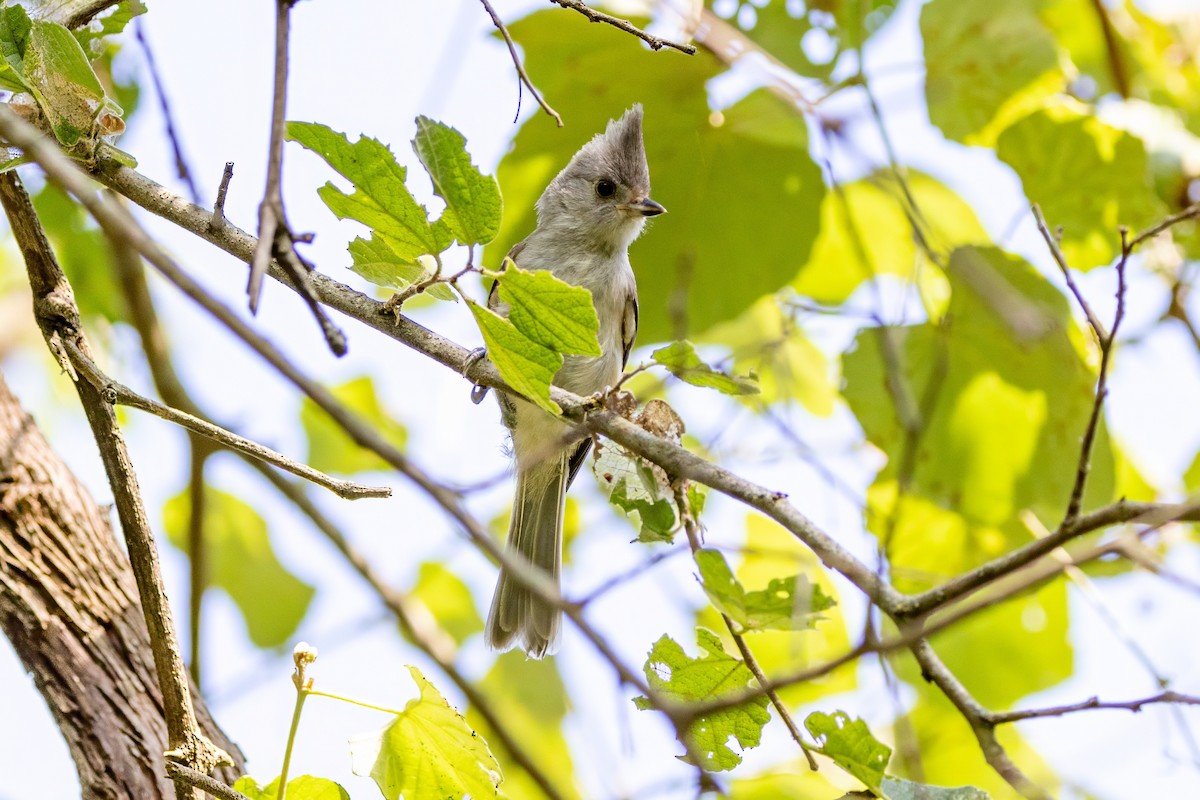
[(606, 188)]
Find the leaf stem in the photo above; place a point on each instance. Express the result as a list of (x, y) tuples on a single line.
[(352, 701)]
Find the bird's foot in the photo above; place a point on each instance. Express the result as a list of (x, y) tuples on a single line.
[(478, 392)]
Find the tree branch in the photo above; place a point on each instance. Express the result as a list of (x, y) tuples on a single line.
[(1091, 704), (623, 24), (119, 394), (58, 318), (521, 75), (275, 235)]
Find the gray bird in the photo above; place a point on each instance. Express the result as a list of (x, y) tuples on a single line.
[(587, 218)]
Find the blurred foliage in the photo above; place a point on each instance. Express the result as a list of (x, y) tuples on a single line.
[(241, 562)]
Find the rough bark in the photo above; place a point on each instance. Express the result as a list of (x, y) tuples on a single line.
[(68, 604)]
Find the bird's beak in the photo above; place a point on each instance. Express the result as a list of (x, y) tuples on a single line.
[(645, 207)]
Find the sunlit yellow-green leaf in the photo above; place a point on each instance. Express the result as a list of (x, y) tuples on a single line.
[(449, 600), (380, 199), (529, 696), (427, 753), (867, 230), (304, 787), (771, 552), (330, 449), (375, 260), (1088, 177), (681, 360), (787, 603), (1013, 389), (982, 60), (850, 744), (241, 562)]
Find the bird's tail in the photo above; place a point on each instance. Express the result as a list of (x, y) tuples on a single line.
[(534, 536)]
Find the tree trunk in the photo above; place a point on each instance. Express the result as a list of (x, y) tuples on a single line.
[(68, 604)]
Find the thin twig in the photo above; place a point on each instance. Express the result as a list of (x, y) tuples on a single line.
[(270, 210), (1093, 425), (218, 215), (275, 235), (1092, 704), (1123, 511), (692, 528), (1191, 212), (623, 24), (933, 670), (1116, 59), (181, 166), (120, 394), (185, 775), (516, 59), (58, 317), (1060, 259), (197, 554)]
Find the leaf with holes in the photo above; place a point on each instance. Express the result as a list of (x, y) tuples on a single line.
[(678, 677), (851, 746), (681, 360), (787, 604)]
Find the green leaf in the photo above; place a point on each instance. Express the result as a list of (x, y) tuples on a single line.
[(900, 789), (242, 563), (867, 231), (655, 517), (1014, 385), (91, 37), (428, 753), (715, 674), (755, 154), (529, 696), (449, 600), (15, 29), (791, 603), (1191, 477), (472, 199), (780, 28), (1087, 176), (550, 311), (771, 552), (984, 63), (375, 260), (851, 746), (524, 364), (641, 492), (788, 366), (305, 787), (380, 200), (84, 252), (63, 83), (681, 360), (330, 449)]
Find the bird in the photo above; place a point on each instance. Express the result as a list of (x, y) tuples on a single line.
[(587, 218)]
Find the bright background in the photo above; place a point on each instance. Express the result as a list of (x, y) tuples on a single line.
[(371, 67)]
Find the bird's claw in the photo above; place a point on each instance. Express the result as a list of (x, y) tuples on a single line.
[(478, 391)]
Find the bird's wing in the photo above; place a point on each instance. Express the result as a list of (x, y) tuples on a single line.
[(629, 326)]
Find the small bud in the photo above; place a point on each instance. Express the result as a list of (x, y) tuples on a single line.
[(303, 654)]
